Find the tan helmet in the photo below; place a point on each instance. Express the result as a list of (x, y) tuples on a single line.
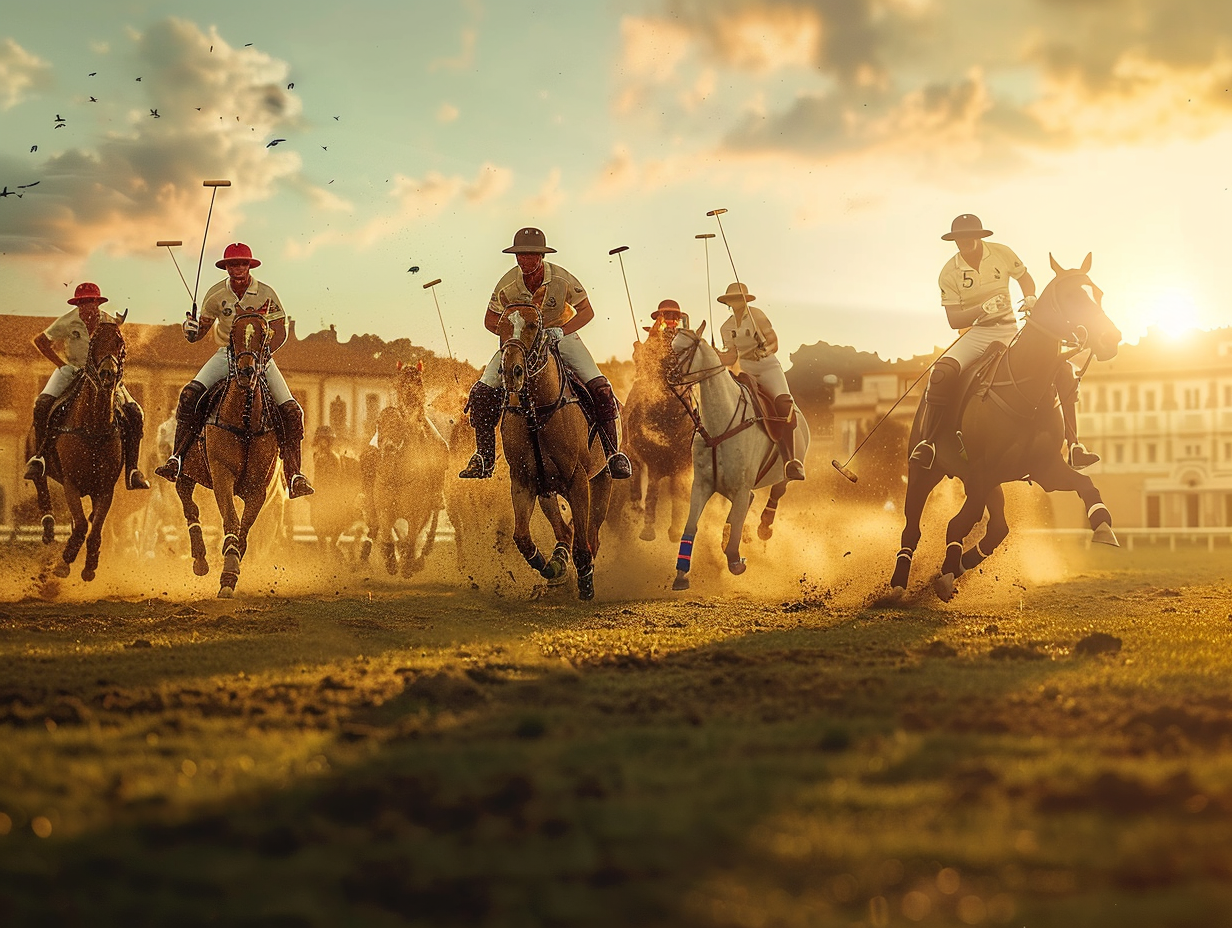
[(529, 241)]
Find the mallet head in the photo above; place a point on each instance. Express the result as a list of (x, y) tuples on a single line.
[(216, 183), (616, 251), (168, 243), (715, 212), (431, 283), (705, 235), (844, 471)]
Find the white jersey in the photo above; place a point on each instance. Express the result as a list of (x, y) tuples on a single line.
[(221, 306)]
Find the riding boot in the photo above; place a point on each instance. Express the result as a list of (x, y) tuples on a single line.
[(1067, 392), (188, 422), (289, 441), (941, 392), (36, 466), (132, 427), (785, 409), (484, 408), (607, 417)]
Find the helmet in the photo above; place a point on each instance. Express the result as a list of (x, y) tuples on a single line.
[(87, 291), (966, 226), (237, 251), (529, 241)]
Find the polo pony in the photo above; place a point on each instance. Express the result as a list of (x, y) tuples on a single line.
[(1010, 428), (85, 452), (236, 452), (733, 452), (549, 446)]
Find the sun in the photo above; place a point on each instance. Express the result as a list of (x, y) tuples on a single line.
[(1171, 310)]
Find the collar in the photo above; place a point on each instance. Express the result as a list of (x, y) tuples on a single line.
[(252, 286), (961, 262)]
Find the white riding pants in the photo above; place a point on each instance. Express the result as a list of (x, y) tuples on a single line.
[(215, 369), (768, 373), (58, 382), (572, 351), (970, 348)]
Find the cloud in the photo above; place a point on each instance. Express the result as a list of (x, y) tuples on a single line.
[(20, 73), (548, 199), (465, 57), (140, 182), (447, 112)]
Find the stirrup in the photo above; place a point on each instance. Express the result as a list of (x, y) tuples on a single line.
[(171, 470), (136, 480), (299, 486), (35, 468), (477, 468), (619, 466), (1080, 457), (793, 470), (924, 455)]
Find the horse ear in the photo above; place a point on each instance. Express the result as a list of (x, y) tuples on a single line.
[(701, 328), (1056, 268), (399, 363), (124, 315), (1086, 263)]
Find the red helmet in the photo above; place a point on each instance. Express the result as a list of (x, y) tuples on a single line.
[(87, 291), (237, 251)]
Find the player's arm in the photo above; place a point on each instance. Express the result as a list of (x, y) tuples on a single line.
[(491, 319), (583, 313), (767, 331), (279, 328), (47, 349)]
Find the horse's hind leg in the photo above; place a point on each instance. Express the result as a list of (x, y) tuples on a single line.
[(583, 549), (920, 484), (958, 529), (78, 533), (184, 489), (523, 509), (1058, 475), (994, 534), (739, 512), (651, 507), (766, 528), (94, 540), (562, 531)]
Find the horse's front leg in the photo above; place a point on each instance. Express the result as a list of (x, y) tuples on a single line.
[(77, 535), (1058, 475), (920, 483), (958, 529), (735, 518), (678, 488), (651, 506), (994, 534), (523, 508), (100, 505), (699, 496), (583, 544), (766, 529), (562, 531), (184, 489), (224, 495)]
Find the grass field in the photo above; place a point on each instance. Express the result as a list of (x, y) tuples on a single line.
[(1036, 753)]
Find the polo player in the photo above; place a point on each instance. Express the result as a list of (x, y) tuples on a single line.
[(239, 293), (72, 333), (566, 308)]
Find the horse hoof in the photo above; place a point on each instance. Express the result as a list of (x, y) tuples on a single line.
[(1104, 535), (647, 534), (225, 592), (586, 593), (62, 569), (201, 566), (765, 531), (680, 583), (737, 567), (673, 535), (87, 575), (944, 587)]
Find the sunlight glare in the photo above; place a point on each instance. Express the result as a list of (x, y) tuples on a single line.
[(1170, 310)]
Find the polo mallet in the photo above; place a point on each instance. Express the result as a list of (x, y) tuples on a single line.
[(706, 237), (214, 184), (842, 468), (429, 286), (169, 245), (618, 252), (716, 213)]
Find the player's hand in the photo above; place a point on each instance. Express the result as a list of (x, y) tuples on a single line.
[(996, 305), (1028, 303), (192, 328)]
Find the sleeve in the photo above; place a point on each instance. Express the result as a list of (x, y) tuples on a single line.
[(61, 328), (727, 332), (947, 281), (764, 325), (1017, 268), (494, 305), (575, 293), (275, 312), (208, 310)]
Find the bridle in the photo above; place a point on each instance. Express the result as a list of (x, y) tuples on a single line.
[(93, 365), (681, 380), (260, 355)]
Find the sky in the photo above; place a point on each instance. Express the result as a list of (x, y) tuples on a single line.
[(842, 137)]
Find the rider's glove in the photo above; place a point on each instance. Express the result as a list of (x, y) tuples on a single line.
[(556, 333), (995, 306), (192, 328), (1028, 302)]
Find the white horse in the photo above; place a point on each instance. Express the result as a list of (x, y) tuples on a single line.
[(732, 455)]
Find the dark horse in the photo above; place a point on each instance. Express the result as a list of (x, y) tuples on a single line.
[(236, 452), (549, 446), (86, 452), (1014, 431), (658, 437)]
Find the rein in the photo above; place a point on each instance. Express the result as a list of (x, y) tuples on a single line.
[(688, 379)]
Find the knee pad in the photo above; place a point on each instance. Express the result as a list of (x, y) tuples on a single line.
[(606, 407), (484, 405), (190, 396), (783, 404), (292, 420), (943, 382)]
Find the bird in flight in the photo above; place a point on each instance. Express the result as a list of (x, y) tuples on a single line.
[(275, 142), (291, 86), (154, 113), (59, 118), (60, 125), (413, 269), (335, 118), (33, 148), (91, 74), (94, 99), (138, 78), (248, 45), (324, 148), (6, 192), (24, 186)]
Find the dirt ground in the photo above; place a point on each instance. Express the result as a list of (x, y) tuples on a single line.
[(335, 746)]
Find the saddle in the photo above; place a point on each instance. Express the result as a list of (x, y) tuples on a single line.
[(762, 402)]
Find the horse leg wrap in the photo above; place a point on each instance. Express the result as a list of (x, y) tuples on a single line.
[(1098, 515), (685, 557), (538, 562), (231, 544)]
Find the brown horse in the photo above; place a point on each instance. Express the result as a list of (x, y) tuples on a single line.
[(236, 452), (1014, 431), (86, 455), (409, 486), (658, 438), (548, 445)]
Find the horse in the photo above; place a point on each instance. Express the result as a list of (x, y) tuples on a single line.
[(236, 453), (731, 456), (1014, 431), (336, 508), (86, 454), (658, 434), (548, 444), (409, 486)]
